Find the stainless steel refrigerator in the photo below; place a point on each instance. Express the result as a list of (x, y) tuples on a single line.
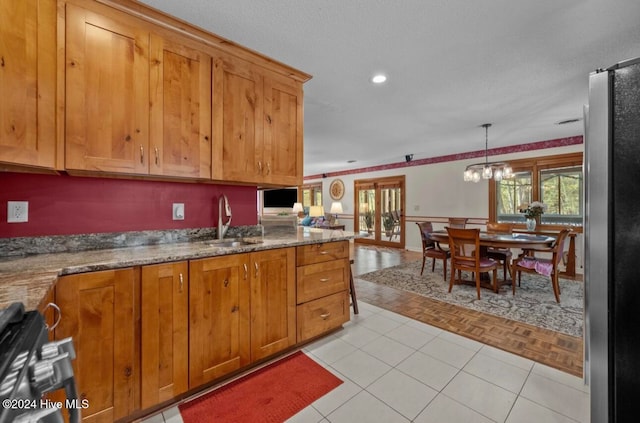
[(612, 243)]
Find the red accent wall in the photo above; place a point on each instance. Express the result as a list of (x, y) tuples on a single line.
[(63, 204)]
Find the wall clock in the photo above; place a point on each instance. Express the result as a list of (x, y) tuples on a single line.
[(336, 189)]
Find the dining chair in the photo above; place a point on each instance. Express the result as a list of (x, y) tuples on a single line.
[(458, 222), (395, 214), (532, 263), (502, 255), (461, 241), (432, 249)]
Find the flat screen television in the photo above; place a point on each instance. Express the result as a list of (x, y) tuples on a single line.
[(282, 198)]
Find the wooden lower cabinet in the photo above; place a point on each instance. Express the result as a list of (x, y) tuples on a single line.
[(100, 311), (164, 332), (273, 302), (322, 288), (241, 309), (322, 315), (146, 335), (218, 317)]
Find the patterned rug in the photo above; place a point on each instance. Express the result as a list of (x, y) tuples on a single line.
[(269, 395), (534, 302)]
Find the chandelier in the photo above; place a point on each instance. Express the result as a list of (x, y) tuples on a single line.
[(487, 170)]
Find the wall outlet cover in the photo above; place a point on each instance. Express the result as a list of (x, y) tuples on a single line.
[(17, 211), (178, 211)]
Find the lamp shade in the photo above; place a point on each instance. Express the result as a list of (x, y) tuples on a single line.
[(336, 207), (316, 211), (297, 207)]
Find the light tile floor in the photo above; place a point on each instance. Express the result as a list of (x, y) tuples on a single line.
[(396, 369)]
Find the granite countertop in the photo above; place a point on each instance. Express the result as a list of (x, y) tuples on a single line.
[(28, 279)]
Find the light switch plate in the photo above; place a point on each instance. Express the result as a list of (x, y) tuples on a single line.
[(17, 211), (178, 211)]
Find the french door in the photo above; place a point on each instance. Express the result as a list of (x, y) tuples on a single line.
[(379, 211)]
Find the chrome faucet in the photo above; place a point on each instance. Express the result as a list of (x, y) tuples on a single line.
[(222, 229)]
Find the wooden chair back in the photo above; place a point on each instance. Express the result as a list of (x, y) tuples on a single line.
[(458, 222), (431, 249), (464, 245), (503, 255), (499, 228), (425, 229), (558, 247)]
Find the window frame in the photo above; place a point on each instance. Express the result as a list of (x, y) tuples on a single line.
[(535, 165), (313, 187)]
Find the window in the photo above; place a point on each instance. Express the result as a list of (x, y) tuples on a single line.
[(561, 190), (311, 195), (554, 180), (512, 193)]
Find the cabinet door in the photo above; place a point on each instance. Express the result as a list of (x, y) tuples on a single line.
[(218, 317), (283, 131), (27, 82), (99, 312), (238, 123), (164, 332), (273, 302), (180, 110), (107, 92)]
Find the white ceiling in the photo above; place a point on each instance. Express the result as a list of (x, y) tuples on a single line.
[(452, 65)]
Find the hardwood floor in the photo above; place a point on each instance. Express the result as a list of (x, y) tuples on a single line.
[(551, 348)]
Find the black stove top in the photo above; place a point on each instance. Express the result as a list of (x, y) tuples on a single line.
[(30, 367)]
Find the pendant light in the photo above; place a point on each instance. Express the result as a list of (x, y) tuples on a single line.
[(487, 170)]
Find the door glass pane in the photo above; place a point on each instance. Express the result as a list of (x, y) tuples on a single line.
[(367, 210), (379, 211), (390, 203), (512, 194), (311, 196)]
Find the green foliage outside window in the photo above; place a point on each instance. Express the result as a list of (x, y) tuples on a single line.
[(512, 193), (560, 190)]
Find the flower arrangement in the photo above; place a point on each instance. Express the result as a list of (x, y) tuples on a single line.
[(533, 210)]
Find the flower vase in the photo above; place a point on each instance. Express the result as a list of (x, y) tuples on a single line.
[(531, 224)]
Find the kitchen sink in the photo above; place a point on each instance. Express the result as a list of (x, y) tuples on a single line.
[(231, 242)]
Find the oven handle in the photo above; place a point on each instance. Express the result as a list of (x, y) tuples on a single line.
[(59, 313)]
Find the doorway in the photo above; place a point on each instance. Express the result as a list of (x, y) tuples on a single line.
[(379, 211)]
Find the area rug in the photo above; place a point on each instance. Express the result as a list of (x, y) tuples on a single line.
[(534, 302), (271, 394)]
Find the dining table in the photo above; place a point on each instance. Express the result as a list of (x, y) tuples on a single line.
[(524, 241)]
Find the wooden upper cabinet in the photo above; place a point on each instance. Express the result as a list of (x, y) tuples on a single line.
[(107, 91), (238, 124), (28, 82), (180, 110), (283, 130), (258, 124)]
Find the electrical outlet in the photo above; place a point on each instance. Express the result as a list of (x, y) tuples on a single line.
[(17, 211), (178, 211)]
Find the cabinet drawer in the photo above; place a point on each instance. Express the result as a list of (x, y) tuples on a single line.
[(319, 253), (322, 279), (322, 315)]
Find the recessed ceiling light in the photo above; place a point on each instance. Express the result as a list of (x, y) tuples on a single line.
[(378, 79)]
